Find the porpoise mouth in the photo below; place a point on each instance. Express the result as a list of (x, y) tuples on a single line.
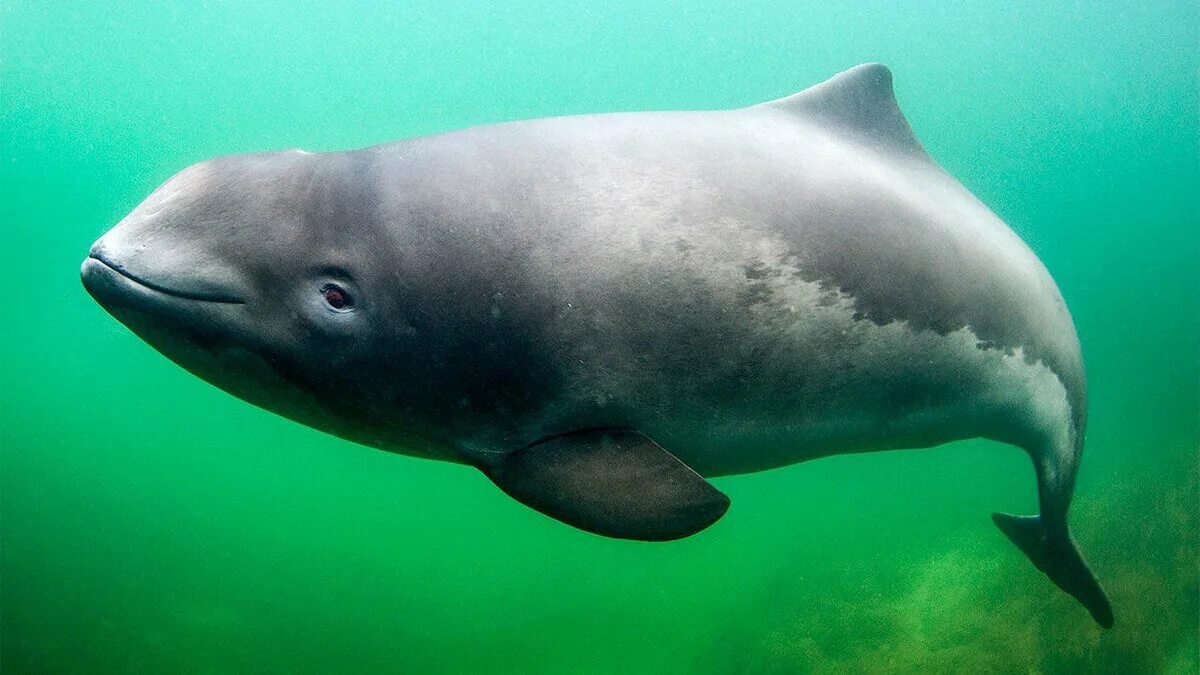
[(187, 295)]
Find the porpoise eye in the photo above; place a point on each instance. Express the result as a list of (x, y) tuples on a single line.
[(337, 297)]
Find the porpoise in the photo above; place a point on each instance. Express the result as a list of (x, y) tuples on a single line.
[(602, 312)]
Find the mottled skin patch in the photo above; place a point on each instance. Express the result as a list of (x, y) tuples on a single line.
[(748, 288)]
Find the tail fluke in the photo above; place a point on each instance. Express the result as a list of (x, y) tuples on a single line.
[(1058, 558)]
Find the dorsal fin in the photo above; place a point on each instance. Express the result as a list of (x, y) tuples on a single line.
[(859, 100)]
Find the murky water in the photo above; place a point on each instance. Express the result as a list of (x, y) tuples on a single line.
[(151, 523)]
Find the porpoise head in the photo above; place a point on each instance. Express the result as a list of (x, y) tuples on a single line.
[(263, 275)]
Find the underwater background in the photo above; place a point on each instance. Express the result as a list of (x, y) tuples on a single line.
[(151, 523)]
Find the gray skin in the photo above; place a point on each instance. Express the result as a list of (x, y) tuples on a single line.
[(748, 288)]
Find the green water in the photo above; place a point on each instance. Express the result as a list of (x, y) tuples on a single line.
[(151, 523)]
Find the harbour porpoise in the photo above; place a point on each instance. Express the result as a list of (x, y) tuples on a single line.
[(601, 312)]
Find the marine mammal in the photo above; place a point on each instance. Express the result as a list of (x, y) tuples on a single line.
[(602, 311)]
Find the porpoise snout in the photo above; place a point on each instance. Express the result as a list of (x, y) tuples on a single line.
[(121, 264)]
